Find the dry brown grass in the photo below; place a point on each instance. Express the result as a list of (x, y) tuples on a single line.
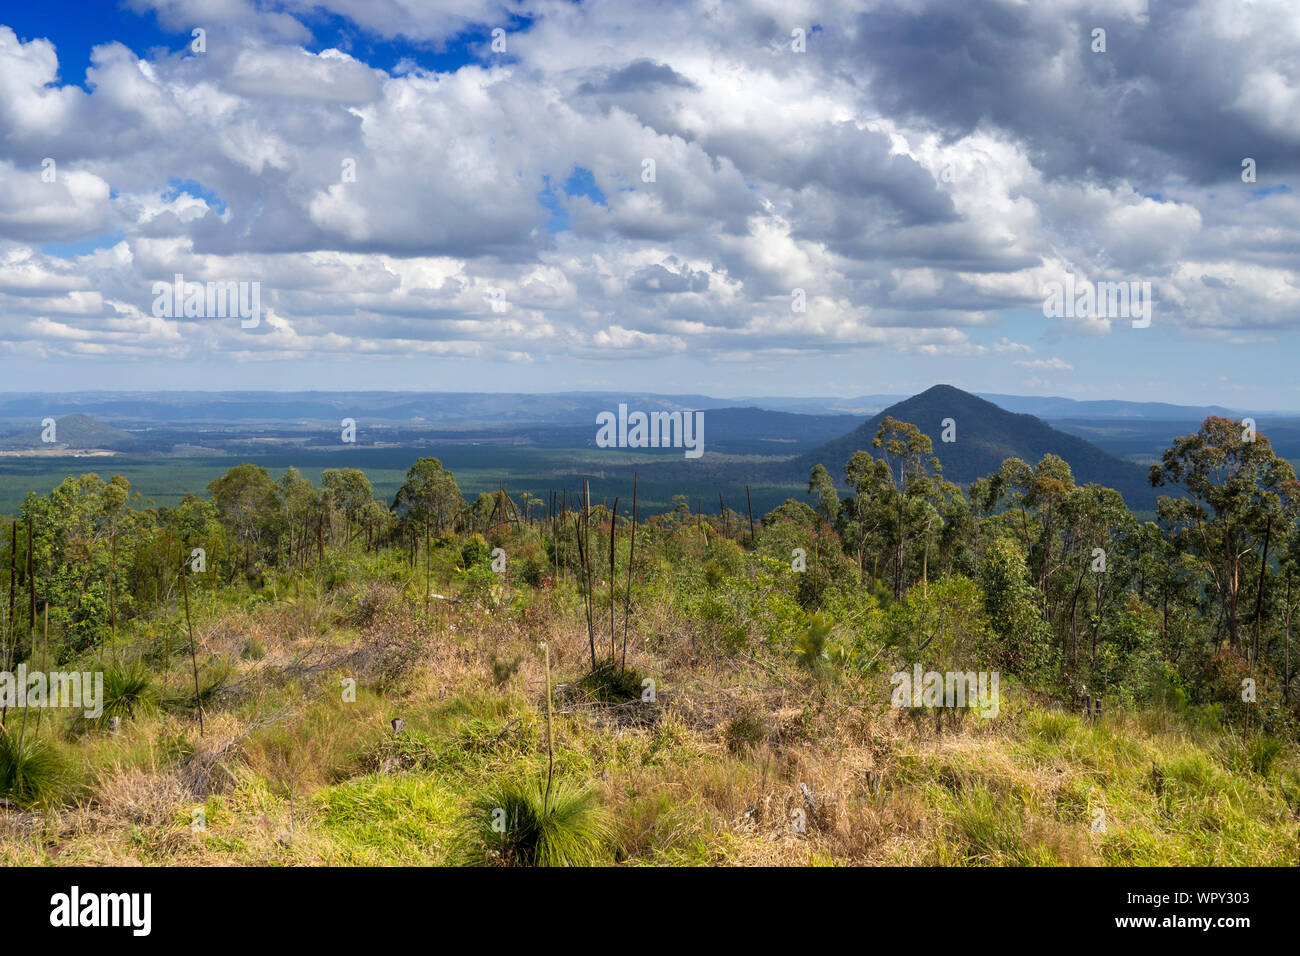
[(740, 761)]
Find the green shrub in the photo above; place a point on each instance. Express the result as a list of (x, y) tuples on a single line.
[(481, 585), (515, 823), (811, 645), (611, 685), (1022, 644), (128, 691), (40, 776), (1263, 751), (503, 670), (475, 551), (745, 731)]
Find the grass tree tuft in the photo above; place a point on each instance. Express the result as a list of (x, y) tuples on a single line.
[(515, 823)]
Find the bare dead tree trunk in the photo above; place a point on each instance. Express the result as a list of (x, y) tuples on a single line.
[(613, 524), (550, 737), (189, 626), (753, 539), (31, 576), (584, 557), (631, 557), (45, 655)]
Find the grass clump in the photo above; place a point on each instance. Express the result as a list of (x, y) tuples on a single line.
[(505, 668), (128, 690), (610, 684), (745, 731), (516, 823), (384, 821), (33, 776)]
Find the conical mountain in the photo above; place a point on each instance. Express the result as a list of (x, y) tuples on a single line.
[(986, 435)]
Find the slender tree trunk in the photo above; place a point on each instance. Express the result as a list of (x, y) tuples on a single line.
[(1259, 590), (1234, 585), (613, 524), (112, 587), (584, 555), (753, 538), (550, 739), (898, 561), (31, 576), (1074, 608), (189, 626), (167, 661), (18, 770), (13, 564), (631, 557), (45, 655), (1096, 627), (1286, 650)]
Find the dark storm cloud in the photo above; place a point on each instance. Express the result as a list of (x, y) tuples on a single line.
[(1168, 97)]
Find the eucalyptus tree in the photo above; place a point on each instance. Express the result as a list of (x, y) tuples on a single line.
[(347, 490), (429, 498), (247, 504), (1096, 526), (868, 476), (1039, 490), (914, 473), (1236, 494), (298, 505), (821, 488)]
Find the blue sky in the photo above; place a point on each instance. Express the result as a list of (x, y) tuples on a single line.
[(78, 25), (501, 230)]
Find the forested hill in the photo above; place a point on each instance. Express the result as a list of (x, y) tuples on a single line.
[(986, 435), (74, 431)]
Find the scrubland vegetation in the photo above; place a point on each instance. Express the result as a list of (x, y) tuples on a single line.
[(302, 676)]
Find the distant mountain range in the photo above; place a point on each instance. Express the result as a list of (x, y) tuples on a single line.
[(986, 435), (759, 439), (451, 409), (1110, 408), (441, 409)]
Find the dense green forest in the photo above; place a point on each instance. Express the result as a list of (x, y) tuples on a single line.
[(315, 675)]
